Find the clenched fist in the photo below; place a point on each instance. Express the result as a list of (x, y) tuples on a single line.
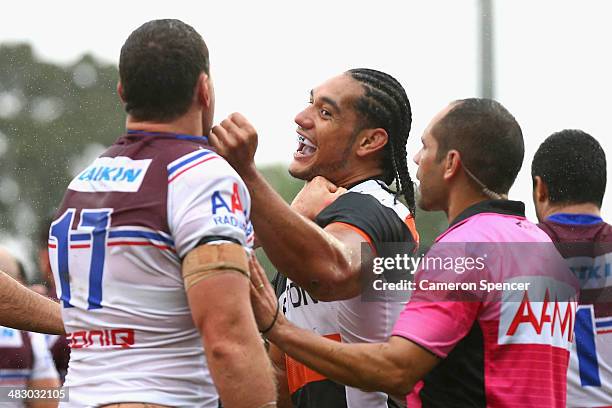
[(235, 139)]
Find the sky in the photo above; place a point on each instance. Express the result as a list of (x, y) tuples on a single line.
[(552, 59)]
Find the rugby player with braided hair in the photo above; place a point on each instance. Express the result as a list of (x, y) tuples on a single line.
[(469, 351), (351, 147), (385, 104)]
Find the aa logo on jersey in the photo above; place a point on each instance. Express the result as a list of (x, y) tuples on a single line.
[(218, 203), (107, 174), (229, 211), (544, 314)]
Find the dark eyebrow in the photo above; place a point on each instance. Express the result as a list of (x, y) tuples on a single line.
[(327, 100), (331, 102)]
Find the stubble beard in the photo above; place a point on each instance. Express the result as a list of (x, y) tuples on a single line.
[(328, 170)]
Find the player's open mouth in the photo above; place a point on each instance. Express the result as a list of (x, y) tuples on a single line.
[(305, 147)]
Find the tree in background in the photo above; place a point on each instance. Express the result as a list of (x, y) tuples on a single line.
[(52, 120)]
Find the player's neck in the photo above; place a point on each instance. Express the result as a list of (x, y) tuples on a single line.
[(186, 125), (583, 208), (462, 199), (356, 176)]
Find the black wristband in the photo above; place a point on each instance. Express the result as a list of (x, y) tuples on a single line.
[(263, 332)]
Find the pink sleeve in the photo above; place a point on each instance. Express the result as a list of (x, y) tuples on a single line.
[(436, 326), (438, 319)]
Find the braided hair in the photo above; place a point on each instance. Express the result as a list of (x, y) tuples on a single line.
[(386, 105)]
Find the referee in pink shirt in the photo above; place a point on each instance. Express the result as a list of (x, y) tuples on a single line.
[(454, 352)]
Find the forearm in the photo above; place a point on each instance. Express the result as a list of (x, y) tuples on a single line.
[(24, 309), (236, 357), (364, 366), (43, 384), (302, 251), (242, 372)]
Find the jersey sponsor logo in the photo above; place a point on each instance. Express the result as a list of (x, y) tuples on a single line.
[(225, 211), (228, 220), (307, 312), (593, 273), (219, 204), (298, 297), (107, 174), (545, 321), (10, 338), (116, 338)]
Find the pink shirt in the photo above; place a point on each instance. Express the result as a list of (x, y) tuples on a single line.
[(494, 353)]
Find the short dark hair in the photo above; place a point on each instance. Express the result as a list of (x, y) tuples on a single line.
[(159, 67), (489, 139), (573, 166), (385, 104)]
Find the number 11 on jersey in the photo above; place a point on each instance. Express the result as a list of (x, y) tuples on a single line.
[(93, 228)]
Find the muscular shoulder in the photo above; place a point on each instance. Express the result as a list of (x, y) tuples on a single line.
[(198, 163), (366, 212)]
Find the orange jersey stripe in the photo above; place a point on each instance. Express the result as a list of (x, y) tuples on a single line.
[(409, 221), (365, 236), (298, 375)]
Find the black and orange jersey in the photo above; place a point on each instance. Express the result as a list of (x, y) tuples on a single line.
[(373, 211)]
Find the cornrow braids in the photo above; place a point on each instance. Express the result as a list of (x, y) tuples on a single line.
[(386, 105)]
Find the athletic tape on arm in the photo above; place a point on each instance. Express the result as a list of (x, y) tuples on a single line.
[(209, 260)]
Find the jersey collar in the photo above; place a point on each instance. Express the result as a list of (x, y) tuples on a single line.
[(505, 207), (575, 219), (368, 184), (168, 135)]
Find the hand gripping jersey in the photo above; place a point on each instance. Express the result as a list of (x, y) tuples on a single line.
[(494, 353), (374, 212), (586, 242), (124, 226), (23, 357)]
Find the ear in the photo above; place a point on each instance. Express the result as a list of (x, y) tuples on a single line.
[(540, 190), (371, 140), (452, 164), (203, 92), (120, 91)]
